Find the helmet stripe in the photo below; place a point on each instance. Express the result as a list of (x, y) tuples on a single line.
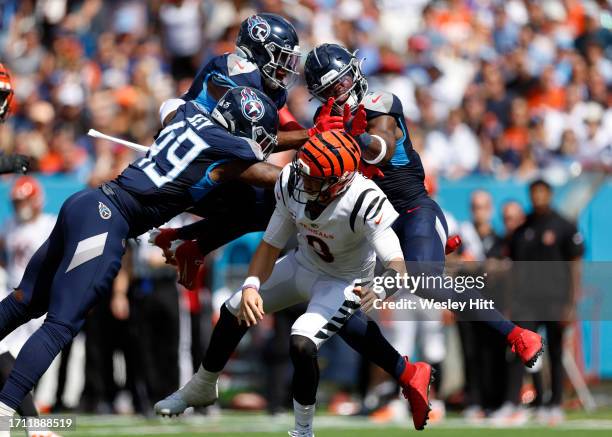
[(334, 150), (314, 160), (321, 151), (350, 147)]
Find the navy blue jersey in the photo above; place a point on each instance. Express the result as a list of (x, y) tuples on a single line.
[(230, 70), (175, 174), (404, 174)]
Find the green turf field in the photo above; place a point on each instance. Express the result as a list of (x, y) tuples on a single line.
[(232, 424)]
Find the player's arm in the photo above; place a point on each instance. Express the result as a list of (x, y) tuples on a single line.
[(379, 141), (280, 228), (258, 173), (292, 136), (389, 253)]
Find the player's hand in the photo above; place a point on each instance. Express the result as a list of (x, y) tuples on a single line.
[(14, 164), (251, 307), (355, 124), (325, 121), (370, 171), (120, 307), (366, 296), (163, 237)]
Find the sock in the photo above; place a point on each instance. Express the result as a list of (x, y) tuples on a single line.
[(223, 341), (304, 415), (363, 334)]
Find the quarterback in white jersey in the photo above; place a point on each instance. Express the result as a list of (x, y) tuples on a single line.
[(343, 223)]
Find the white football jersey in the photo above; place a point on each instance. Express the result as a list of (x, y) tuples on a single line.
[(338, 241)]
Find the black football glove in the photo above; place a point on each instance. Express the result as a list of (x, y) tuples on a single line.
[(14, 164)]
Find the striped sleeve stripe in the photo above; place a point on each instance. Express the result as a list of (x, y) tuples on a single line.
[(357, 207), (370, 207), (378, 208)]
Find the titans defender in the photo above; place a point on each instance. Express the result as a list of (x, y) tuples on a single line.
[(331, 71), (266, 58), (81, 257)]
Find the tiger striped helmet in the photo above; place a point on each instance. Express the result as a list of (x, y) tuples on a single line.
[(324, 167), (6, 92)]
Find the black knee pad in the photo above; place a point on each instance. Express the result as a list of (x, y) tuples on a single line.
[(302, 347)]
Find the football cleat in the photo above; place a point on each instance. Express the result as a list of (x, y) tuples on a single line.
[(196, 393), (301, 433), (188, 260), (526, 344), (415, 382)]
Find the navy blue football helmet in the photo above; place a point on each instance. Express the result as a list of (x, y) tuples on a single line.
[(250, 114), (327, 67), (272, 43)]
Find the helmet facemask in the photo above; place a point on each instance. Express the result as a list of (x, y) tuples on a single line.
[(305, 188), (355, 93), (283, 59)]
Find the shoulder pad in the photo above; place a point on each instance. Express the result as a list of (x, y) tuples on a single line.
[(379, 102), (238, 65)]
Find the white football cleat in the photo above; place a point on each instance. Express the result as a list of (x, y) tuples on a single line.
[(200, 391)]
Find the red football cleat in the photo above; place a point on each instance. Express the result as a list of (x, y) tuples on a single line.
[(526, 344), (415, 382), (189, 259)]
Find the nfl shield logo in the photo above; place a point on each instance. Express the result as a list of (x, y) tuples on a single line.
[(104, 210)]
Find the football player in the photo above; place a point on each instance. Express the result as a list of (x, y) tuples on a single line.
[(343, 224), (76, 265), (266, 58), (9, 163), (332, 72)]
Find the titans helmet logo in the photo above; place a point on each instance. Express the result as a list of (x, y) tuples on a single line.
[(259, 29), (252, 106)]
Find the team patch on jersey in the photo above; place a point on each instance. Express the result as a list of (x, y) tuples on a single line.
[(104, 210), (252, 106), (259, 29)]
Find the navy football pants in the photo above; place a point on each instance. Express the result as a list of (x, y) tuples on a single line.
[(65, 278)]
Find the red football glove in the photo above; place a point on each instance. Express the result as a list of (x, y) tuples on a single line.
[(325, 121), (452, 244), (355, 125), (370, 171), (188, 260), (163, 239)]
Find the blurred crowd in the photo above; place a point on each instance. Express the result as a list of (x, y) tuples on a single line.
[(508, 88), (505, 88)]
